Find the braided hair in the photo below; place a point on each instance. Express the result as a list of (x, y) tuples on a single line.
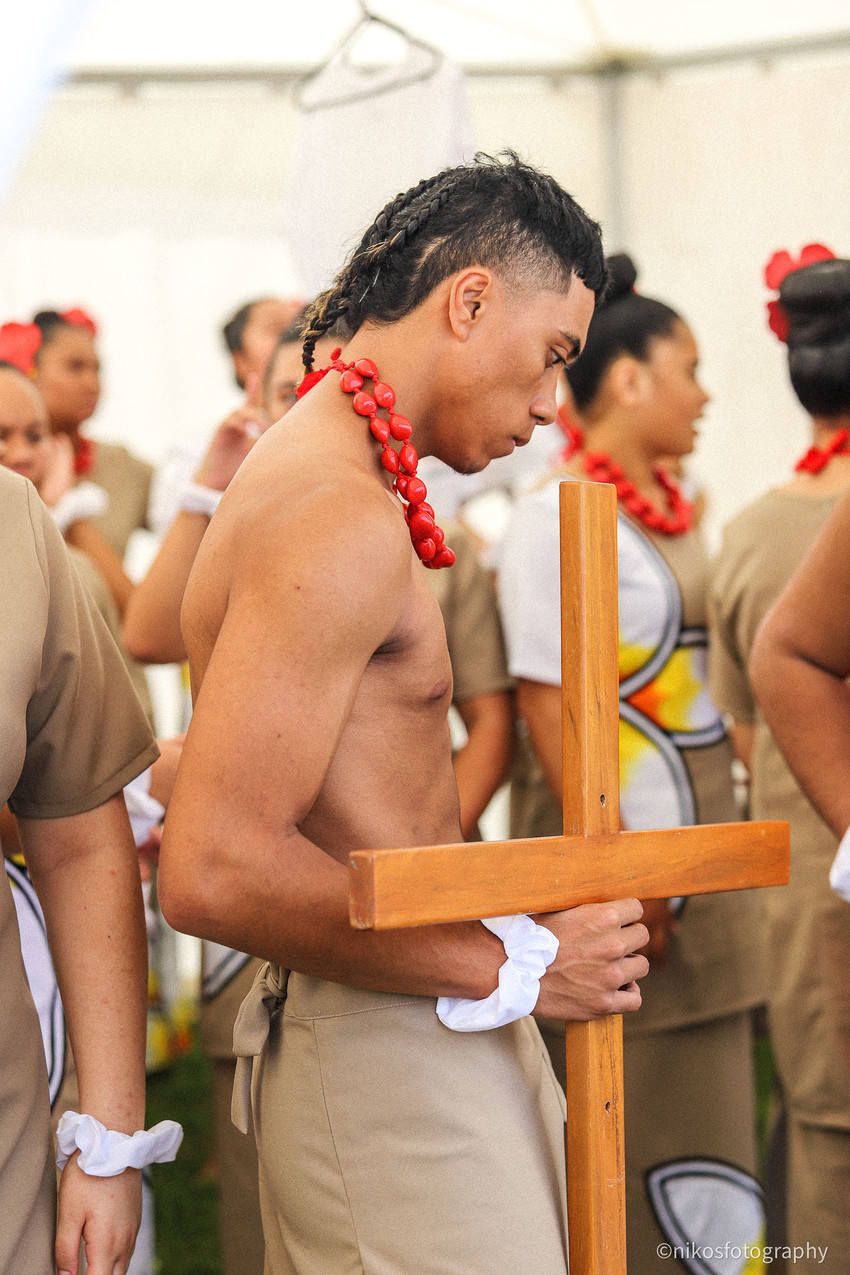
[(497, 212), (816, 299), (625, 323)]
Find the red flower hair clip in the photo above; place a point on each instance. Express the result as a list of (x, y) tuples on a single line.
[(19, 344), (782, 264), (79, 319)]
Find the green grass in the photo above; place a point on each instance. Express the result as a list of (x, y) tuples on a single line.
[(185, 1192)]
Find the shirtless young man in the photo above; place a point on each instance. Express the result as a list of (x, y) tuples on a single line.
[(322, 683)]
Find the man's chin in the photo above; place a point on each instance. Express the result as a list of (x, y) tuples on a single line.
[(470, 467)]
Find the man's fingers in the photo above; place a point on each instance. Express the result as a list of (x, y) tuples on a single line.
[(628, 910), (635, 936)]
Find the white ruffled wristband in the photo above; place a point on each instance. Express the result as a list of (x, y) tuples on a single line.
[(839, 873), (144, 810), (197, 499), (86, 500), (530, 949), (105, 1153)]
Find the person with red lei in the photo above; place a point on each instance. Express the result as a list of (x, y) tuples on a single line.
[(808, 927), (104, 485), (406, 1117), (66, 369), (636, 400)]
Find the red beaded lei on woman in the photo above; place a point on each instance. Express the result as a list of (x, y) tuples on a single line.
[(676, 522), (428, 539), (817, 458)]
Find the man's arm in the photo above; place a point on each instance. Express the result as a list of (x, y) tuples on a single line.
[(85, 871), (799, 668), (300, 630)]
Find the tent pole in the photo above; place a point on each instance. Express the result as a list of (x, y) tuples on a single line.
[(616, 227)]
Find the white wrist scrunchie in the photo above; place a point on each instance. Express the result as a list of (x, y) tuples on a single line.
[(105, 1153), (86, 500), (530, 949), (144, 810), (839, 873), (195, 499)]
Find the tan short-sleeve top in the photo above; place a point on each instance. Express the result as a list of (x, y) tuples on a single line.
[(73, 731), (72, 734), (471, 617), (126, 479)]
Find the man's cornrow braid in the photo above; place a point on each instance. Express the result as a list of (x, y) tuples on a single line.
[(377, 243), (380, 227), (403, 234), (333, 306)]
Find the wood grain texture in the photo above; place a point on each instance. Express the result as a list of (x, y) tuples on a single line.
[(391, 889), (590, 744), (590, 701), (596, 1157)]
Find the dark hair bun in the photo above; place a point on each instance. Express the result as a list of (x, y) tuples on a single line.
[(817, 302), (623, 276), (47, 319)]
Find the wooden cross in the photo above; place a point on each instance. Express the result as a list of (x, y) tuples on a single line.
[(592, 862)]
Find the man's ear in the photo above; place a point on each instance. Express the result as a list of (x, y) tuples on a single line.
[(469, 298), (629, 380)]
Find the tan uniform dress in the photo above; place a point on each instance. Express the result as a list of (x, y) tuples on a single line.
[(688, 1080), (72, 736), (808, 926), (126, 479), (471, 617)]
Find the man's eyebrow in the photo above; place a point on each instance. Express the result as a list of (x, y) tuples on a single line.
[(573, 342)]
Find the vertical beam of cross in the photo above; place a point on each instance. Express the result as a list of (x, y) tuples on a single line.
[(590, 749)]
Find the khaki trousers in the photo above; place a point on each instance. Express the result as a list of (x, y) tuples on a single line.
[(389, 1144)]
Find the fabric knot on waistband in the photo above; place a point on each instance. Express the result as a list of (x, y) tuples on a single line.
[(250, 1033)]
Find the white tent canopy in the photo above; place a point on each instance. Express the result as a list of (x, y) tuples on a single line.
[(703, 136), (474, 33)]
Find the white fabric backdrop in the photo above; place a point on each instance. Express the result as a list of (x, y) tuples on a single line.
[(162, 212)]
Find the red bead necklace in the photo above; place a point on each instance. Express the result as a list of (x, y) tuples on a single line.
[(676, 522), (817, 458), (85, 453), (428, 539)]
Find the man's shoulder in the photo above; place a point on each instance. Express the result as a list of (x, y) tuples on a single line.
[(338, 539)]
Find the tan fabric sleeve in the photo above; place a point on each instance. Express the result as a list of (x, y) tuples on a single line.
[(87, 735), (126, 479), (727, 665), (471, 617)]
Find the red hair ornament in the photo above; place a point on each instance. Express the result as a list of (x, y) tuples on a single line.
[(19, 344), (79, 319), (428, 539), (777, 270)]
